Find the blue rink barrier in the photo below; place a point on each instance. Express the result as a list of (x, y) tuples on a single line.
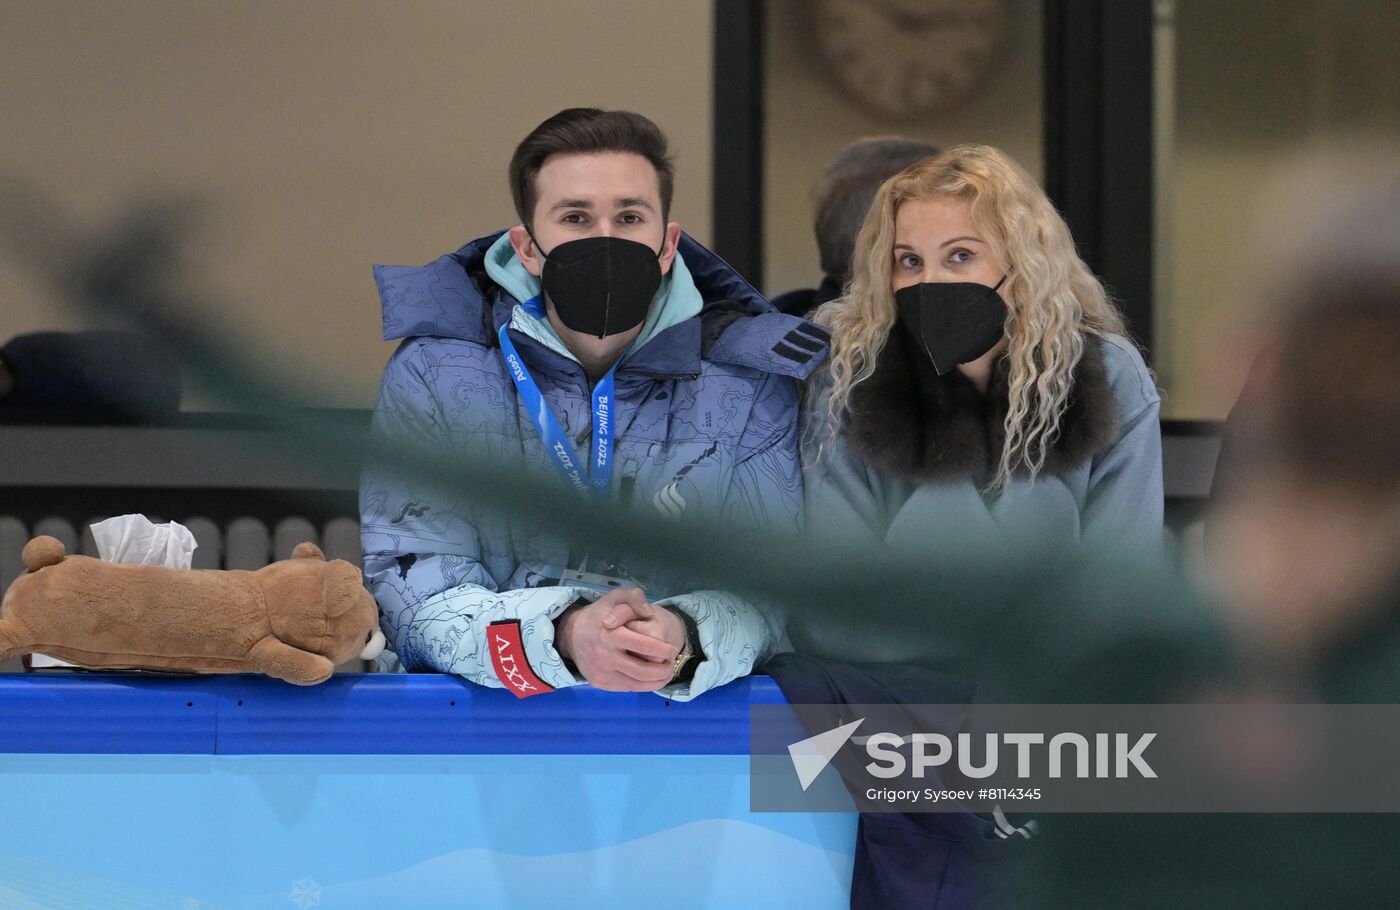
[(392, 790)]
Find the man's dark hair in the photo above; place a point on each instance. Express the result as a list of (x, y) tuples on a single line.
[(581, 130), (848, 186)]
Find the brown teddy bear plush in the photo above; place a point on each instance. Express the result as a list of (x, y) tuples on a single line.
[(294, 619)]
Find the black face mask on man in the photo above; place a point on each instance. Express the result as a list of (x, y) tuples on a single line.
[(954, 322), (601, 285)]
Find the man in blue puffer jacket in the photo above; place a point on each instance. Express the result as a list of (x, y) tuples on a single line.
[(596, 342)]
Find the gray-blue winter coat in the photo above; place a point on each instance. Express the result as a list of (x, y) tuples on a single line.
[(707, 411), (912, 463)]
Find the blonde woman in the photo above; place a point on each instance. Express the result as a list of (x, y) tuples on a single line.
[(979, 377)]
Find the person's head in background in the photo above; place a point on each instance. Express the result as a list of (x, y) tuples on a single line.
[(1305, 544), (842, 196), (972, 215)]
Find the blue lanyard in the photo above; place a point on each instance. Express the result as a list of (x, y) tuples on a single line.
[(593, 474)]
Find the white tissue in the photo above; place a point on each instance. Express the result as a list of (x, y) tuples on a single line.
[(134, 539)]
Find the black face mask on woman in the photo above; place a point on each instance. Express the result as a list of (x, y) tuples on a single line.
[(953, 322), (601, 285)]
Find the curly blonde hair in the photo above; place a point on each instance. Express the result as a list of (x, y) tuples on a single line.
[(1052, 297)]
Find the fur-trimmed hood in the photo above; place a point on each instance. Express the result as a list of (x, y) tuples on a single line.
[(912, 423)]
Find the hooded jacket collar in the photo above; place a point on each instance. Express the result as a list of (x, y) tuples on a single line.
[(912, 423), (676, 300), (454, 297)]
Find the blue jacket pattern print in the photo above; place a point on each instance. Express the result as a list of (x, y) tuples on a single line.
[(706, 423)]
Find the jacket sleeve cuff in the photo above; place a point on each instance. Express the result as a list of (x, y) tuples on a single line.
[(735, 636), (510, 642)]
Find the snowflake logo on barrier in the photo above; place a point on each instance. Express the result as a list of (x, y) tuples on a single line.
[(306, 893)]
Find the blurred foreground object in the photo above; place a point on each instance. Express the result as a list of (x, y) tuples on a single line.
[(1304, 555), (1305, 543)]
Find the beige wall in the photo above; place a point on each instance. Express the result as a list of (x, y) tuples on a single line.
[(324, 137), (809, 119)]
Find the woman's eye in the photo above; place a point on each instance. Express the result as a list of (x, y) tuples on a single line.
[(960, 256), (910, 261)]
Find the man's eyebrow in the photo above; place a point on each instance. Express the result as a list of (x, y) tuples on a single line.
[(956, 239), (571, 204), (633, 202)]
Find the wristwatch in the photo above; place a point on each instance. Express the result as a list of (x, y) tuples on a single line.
[(683, 670), (682, 659)]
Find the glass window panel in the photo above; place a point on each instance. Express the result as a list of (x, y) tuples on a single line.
[(834, 72), (1244, 87)]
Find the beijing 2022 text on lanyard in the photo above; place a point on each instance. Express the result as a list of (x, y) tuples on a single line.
[(593, 474)]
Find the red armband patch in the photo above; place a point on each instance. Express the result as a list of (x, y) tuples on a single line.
[(508, 657)]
